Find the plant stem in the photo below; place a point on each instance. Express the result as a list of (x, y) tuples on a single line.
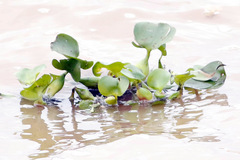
[(146, 86), (148, 54), (143, 64), (159, 62), (71, 98)]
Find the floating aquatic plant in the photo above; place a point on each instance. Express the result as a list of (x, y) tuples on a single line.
[(152, 36), (122, 78)]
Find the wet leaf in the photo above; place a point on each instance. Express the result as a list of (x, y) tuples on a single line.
[(91, 82), (216, 69), (55, 86), (65, 45), (162, 48), (209, 72), (180, 79), (159, 95), (151, 36), (28, 76), (85, 64), (84, 94), (144, 94), (72, 66), (132, 72), (158, 79), (115, 68), (195, 67), (174, 95), (210, 84), (195, 84), (36, 90), (109, 86), (85, 104), (111, 100), (202, 76)]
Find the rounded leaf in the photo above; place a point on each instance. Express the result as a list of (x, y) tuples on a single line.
[(115, 68), (36, 90), (111, 100), (28, 76), (91, 82), (158, 79), (85, 64), (65, 45), (132, 72), (72, 66), (109, 86), (211, 76), (85, 104), (199, 85), (212, 71), (180, 79), (152, 36), (84, 94), (144, 94)]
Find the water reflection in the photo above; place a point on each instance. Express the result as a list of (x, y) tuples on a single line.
[(60, 127)]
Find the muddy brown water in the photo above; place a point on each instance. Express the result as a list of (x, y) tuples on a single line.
[(203, 127)]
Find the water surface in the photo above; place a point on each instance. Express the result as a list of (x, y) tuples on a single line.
[(199, 127)]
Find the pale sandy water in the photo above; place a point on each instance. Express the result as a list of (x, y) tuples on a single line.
[(206, 127)]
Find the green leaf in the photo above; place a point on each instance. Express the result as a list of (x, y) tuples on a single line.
[(132, 72), (114, 68), (59, 64), (66, 45), (28, 76), (85, 64), (135, 45), (201, 76), (160, 95), (144, 94), (195, 67), (174, 95), (216, 68), (151, 36), (36, 90), (158, 79), (199, 85), (75, 71), (84, 94), (85, 104), (210, 84), (111, 100), (162, 48), (55, 86), (216, 80), (72, 66), (180, 79), (209, 72), (91, 82), (109, 86)]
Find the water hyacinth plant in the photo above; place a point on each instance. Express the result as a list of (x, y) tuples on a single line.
[(124, 82), (152, 36)]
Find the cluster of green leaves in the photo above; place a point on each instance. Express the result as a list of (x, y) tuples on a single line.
[(37, 89), (44, 88), (147, 85)]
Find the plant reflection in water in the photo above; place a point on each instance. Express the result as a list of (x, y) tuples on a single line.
[(63, 126)]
